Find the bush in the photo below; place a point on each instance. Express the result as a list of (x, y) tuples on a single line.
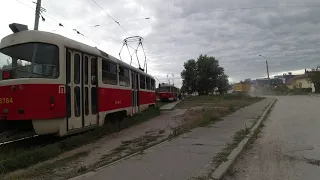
[(281, 89), (300, 91)]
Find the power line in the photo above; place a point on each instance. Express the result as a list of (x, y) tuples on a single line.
[(128, 20), (111, 17), (26, 5), (226, 9), (247, 8), (74, 29), (123, 21), (59, 23)]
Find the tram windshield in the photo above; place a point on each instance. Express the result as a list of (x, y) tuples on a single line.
[(29, 60), (165, 89)]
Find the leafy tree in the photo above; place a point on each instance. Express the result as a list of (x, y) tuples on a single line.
[(189, 76), (247, 80), (314, 77), (204, 76), (223, 84)]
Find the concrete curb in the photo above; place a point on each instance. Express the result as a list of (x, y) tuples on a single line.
[(221, 170)]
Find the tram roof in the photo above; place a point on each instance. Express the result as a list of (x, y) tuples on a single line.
[(167, 85), (52, 38)]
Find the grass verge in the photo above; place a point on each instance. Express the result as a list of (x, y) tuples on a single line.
[(14, 159), (257, 132), (214, 108), (234, 102), (237, 138), (223, 155)]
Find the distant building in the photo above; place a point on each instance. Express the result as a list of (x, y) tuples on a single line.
[(264, 82), (241, 87), (300, 82)]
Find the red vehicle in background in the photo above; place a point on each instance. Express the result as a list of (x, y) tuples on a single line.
[(167, 92)]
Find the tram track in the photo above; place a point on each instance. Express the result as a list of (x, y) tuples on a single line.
[(28, 141), (16, 140), (14, 136)]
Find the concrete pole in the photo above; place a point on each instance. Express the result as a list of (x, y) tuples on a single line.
[(173, 79), (268, 75), (37, 15), (267, 71)]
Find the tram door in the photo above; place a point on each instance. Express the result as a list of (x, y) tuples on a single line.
[(90, 90), (81, 90), (135, 92)]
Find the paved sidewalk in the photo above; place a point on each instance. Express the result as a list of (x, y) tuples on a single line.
[(169, 106), (186, 156)]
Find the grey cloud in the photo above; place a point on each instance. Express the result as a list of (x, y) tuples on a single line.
[(287, 36)]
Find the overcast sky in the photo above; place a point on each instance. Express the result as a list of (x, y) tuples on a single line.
[(234, 31)]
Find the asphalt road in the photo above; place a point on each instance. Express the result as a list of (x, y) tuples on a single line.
[(289, 145)]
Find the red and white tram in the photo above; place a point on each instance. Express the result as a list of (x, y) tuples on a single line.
[(167, 92), (60, 86)]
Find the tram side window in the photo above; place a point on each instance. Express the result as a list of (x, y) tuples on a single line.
[(109, 72), (94, 100), (68, 94), (68, 65), (93, 71), (142, 82), (77, 107), (86, 70), (124, 79), (148, 83), (152, 84), (76, 68), (86, 101)]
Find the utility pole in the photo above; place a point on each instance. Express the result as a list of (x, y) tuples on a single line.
[(267, 71), (268, 74), (170, 78), (37, 16), (173, 79)]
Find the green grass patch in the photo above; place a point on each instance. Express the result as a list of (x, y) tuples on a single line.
[(208, 117), (204, 119), (214, 108), (234, 102), (18, 158)]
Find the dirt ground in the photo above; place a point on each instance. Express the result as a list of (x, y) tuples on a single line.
[(109, 148)]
